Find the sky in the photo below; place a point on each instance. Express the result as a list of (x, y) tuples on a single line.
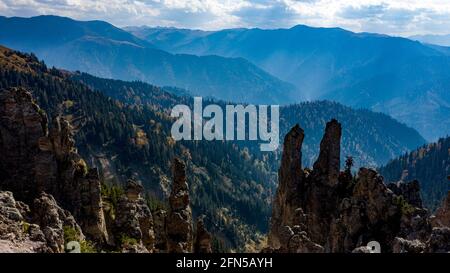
[(399, 17)]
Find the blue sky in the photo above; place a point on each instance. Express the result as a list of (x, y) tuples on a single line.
[(400, 17)]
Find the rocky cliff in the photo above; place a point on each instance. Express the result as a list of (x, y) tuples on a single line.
[(37, 159), (328, 210)]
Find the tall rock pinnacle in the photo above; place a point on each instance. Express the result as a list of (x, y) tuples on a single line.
[(179, 220), (331, 211), (290, 178), (327, 165)]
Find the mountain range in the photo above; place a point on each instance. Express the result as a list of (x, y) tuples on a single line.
[(101, 49), (442, 40), (403, 78)]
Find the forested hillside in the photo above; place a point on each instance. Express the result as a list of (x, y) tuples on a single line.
[(430, 164), (370, 138)]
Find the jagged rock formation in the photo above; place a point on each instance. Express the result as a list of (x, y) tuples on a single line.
[(179, 219), (134, 221), (290, 177), (326, 168), (203, 238), (401, 245), (40, 164), (43, 168), (325, 210), (37, 160), (72, 183), (40, 228), (15, 234), (295, 240), (53, 220), (22, 124), (439, 241), (91, 213)]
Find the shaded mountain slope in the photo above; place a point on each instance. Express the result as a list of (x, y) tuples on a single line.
[(430, 164)]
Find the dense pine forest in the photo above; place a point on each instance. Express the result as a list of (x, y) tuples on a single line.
[(430, 165)]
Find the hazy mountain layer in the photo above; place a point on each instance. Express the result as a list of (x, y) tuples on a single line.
[(101, 49), (406, 79)]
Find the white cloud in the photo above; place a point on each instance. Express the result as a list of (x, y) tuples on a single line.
[(400, 17)]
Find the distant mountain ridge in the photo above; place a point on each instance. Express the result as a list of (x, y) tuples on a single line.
[(101, 49), (50, 30), (442, 40), (405, 79)]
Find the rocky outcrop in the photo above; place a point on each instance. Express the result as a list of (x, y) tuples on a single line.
[(16, 234), (72, 182), (22, 124), (401, 245), (296, 240), (54, 222), (300, 188), (36, 159), (439, 241), (326, 168), (203, 238), (41, 228), (91, 214), (325, 210), (290, 179), (179, 219), (442, 217), (134, 221)]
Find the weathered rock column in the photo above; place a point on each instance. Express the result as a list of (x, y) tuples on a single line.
[(179, 220), (134, 221), (290, 178), (327, 166), (93, 220)]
